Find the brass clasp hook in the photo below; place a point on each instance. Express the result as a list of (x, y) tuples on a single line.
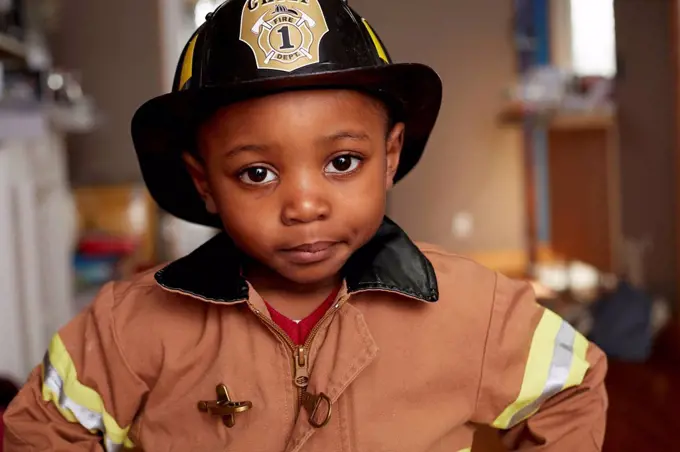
[(224, 406)]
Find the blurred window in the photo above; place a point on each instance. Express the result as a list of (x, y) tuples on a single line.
[(202, 8), (593, 39)]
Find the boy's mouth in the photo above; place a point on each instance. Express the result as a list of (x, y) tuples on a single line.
[(312, 247), (310, 253)]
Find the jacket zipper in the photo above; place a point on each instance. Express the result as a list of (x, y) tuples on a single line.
[(300, 353)]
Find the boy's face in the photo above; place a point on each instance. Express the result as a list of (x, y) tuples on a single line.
[(299, 179)]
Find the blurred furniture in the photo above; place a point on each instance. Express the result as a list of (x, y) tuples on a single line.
[(120, 210), (10, 47), (37, 214), (117, 236), (584, 190), (583, 187), (37, 225)]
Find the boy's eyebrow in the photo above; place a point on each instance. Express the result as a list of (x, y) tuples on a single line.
[(246, 147), (343, 135), (347, 134)]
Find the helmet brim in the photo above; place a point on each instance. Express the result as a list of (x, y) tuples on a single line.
[(162, 126)]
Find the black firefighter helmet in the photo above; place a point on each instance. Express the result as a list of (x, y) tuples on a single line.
[(250, 48)]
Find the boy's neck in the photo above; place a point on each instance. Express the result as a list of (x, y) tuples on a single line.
[(294, 300)]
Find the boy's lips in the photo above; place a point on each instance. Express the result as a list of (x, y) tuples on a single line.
[(314, 247), (310, 253)]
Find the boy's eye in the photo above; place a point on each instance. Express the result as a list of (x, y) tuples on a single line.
[(257, 175), (343, 164)]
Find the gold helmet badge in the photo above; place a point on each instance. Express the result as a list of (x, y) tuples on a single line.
[(284, 35)]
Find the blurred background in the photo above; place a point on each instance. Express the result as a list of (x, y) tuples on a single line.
[(555, 160)]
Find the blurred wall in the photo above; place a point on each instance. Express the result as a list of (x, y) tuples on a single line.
[(116, 47), (647, 118), (472, 165)]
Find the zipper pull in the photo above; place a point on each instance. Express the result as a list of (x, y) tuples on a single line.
[(301, 368)]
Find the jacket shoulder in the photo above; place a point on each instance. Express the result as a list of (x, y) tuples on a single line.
[(139, 306), (141, 295), (448, 265), (144, 318), (124, 289), (466, 284)]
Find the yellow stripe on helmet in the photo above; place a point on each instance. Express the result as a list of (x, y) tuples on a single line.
[(187, 63), (376, 42)]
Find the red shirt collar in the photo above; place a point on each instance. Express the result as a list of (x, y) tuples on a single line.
[(299, 331)]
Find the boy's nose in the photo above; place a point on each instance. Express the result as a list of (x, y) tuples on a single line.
[(305, 203)]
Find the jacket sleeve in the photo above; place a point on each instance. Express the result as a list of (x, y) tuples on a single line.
[(542, 382), (84, 396)]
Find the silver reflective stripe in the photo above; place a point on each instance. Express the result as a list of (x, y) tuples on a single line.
[(89, 419), (111, 446), (560, 365)]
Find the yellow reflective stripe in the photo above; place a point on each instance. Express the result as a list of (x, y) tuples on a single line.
[(536, 370), (188, 63), (557, 361), (469, 449), (75, 401), (376, 42)]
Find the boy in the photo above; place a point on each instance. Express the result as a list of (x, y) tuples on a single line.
[(311, 322)]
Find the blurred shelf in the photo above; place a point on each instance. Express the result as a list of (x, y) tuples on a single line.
[(74, 119), (12, 48), (589, 120), (31, 121), (22, 123), (563, 120)]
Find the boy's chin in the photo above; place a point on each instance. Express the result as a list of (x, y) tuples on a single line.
[(310, 274)]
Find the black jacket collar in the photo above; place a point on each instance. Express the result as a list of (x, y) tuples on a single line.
[(390, 262)]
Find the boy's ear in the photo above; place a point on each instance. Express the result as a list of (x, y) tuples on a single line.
[(197, 172), (395, 142)]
